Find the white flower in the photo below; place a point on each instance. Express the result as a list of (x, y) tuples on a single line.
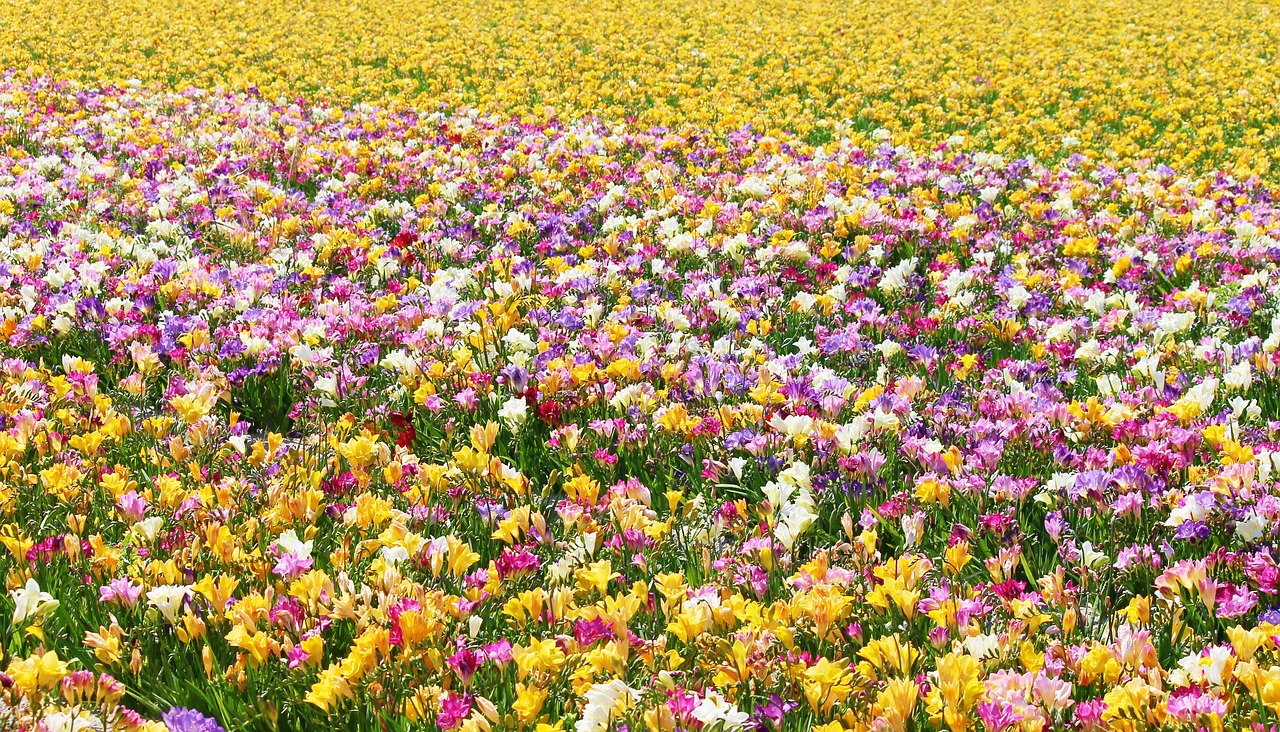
[(1094, 559), (1195, 507), (753, 187), (882, 420), (793, 519), (982, 646), (1109, 384), (302, 353), (518, 341), (150, 528), (1060, 331), (394, 554), (602, 701), (778, 493), (895, 278), (1253, 526), (1210, 668), (797, 475), (32, 602), (889, 349), (792, 426), (1172, 323), (1088, 350), (715, 709), (912, 528), (73, 721), (289, 543), (1017, 296), (514, 411), (400, 362), (1247, 408), (1239, 377), (792, 502), (1273, 341), (853, 432), (168, 600), (327, 385)]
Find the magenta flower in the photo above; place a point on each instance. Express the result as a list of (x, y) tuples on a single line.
[(453, 709)]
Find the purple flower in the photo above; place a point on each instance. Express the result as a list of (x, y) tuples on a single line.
[(517, 562), (1192, 531), (772, 712), (298, 656), (465, 663), (181, 719)]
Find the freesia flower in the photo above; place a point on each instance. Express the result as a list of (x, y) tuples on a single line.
[(31, 602)]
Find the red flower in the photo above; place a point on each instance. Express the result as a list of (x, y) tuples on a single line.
[(407, 433), (404, 240), (550, 413)]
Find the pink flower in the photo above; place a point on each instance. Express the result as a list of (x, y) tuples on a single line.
[(1188, 704), (292, 566), (1089, 715), (133, 506), (1235, 600), (120, 590)]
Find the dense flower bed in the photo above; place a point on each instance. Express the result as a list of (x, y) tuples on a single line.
[(362, 418), (1188, 83)]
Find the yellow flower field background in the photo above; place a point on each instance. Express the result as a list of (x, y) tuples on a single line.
[(1189, 83)]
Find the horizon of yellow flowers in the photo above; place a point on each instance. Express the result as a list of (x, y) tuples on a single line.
[(1190, 83)]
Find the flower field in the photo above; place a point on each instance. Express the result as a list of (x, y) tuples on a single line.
[(1188, 83), (499, 368)]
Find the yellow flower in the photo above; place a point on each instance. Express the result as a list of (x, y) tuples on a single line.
[(888, 654), (195, 404), (1132, 707), (359, 451), (957, 692), (258, 644), (826, 684), (932, 490), (529, 701), (105, 645), (329, 689), (37, 672), (583, 488), (896, 702), (956, 557), (596, 576), (540, 656)]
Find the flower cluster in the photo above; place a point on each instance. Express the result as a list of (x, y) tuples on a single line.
[(1188, 83), (316, 417)]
